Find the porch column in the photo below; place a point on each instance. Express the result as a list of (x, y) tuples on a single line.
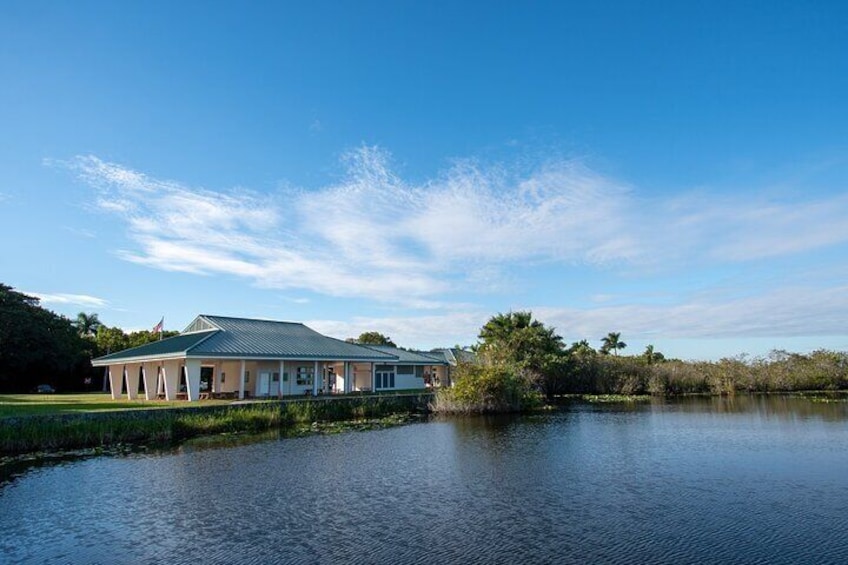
[(315, 377), (149, 374), (241, 381), (282, 367), (132, 381), (347, 383), (116, 379), (373, 377), (171, 377), (216, 378), (193, 379)]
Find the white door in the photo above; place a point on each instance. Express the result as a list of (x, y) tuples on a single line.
[(264, 384)]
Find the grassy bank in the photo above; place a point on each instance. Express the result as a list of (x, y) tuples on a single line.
[(16, 405), (158, 427)]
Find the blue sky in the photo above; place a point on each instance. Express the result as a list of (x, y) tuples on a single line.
[(674, 171)]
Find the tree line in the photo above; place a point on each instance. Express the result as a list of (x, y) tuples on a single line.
[(523, 362), (38, 346)]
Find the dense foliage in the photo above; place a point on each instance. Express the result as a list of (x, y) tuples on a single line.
[(38, 347), (372, 338), (486, 388), (519, 354)]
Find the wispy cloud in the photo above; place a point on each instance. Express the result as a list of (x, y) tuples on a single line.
[(375, 235), (82, 300), (782, 312), (81, 232), (424, 332)]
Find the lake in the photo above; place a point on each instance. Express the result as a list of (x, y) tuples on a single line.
[(760, 479)]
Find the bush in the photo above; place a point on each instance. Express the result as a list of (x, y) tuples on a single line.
[(486, 389)]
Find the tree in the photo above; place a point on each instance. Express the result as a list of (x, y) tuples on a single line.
[(612, 342), (87, 324), (517, 340), (38, 346), (109, 340), (581, 348), (372, 338), (652, 356)]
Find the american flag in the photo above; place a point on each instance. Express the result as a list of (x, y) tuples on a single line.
[(158, 328)]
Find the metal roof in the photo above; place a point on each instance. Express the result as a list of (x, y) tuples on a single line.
[(242, 338), (454, 356), (176, 346), (406, 357)]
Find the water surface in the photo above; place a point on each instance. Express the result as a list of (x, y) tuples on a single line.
[(745, 480)]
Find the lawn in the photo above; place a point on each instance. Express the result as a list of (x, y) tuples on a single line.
[(13, 405)]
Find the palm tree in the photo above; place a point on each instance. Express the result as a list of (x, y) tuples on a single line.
[(612, 342), (649, 354), (87, 324)]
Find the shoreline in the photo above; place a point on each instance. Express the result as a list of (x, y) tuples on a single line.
[(21, 435)]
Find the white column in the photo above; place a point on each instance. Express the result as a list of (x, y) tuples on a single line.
[(116, 379), (346, 377), (373, 377), (315, 377), (149, 374), (132, 381), (193, 379), (216, 378), (241, 381), (171, 376), (280, 390)]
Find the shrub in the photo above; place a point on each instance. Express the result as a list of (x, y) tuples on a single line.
[(486, 389)]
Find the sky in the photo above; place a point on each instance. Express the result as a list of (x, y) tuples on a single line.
[(673, 171)]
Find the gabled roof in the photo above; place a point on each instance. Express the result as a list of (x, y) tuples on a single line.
[(176, 346), (405, 357), (243, 338)]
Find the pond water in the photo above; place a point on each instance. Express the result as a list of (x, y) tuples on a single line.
[(744, 480)]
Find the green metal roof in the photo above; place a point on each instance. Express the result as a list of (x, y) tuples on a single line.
[(405, 357), (176, 346), (242, 338), (453, 355)]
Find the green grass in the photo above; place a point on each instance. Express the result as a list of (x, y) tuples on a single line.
[(17, 405), (42, 423)]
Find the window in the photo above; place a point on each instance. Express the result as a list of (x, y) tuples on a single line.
[(275, 377), (384, 379), (304, 375), (247, 376), (405, 370)]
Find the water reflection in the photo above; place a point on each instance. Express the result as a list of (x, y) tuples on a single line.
[(730, 480)]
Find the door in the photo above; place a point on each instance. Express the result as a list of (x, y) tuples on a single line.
[(264, 384), (384, 379), (275, 384)]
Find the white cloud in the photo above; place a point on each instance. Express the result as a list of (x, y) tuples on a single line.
[(83, 300), (374, 235), (420, 332), (783, 312)]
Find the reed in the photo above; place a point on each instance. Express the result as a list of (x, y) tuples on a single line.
[(160, 427)]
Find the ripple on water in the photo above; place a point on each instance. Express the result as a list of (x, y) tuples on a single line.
[(650, 485)]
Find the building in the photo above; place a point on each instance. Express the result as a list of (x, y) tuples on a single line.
[(218, 356)]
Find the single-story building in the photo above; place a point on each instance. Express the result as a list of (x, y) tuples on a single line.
[(240, 357)]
